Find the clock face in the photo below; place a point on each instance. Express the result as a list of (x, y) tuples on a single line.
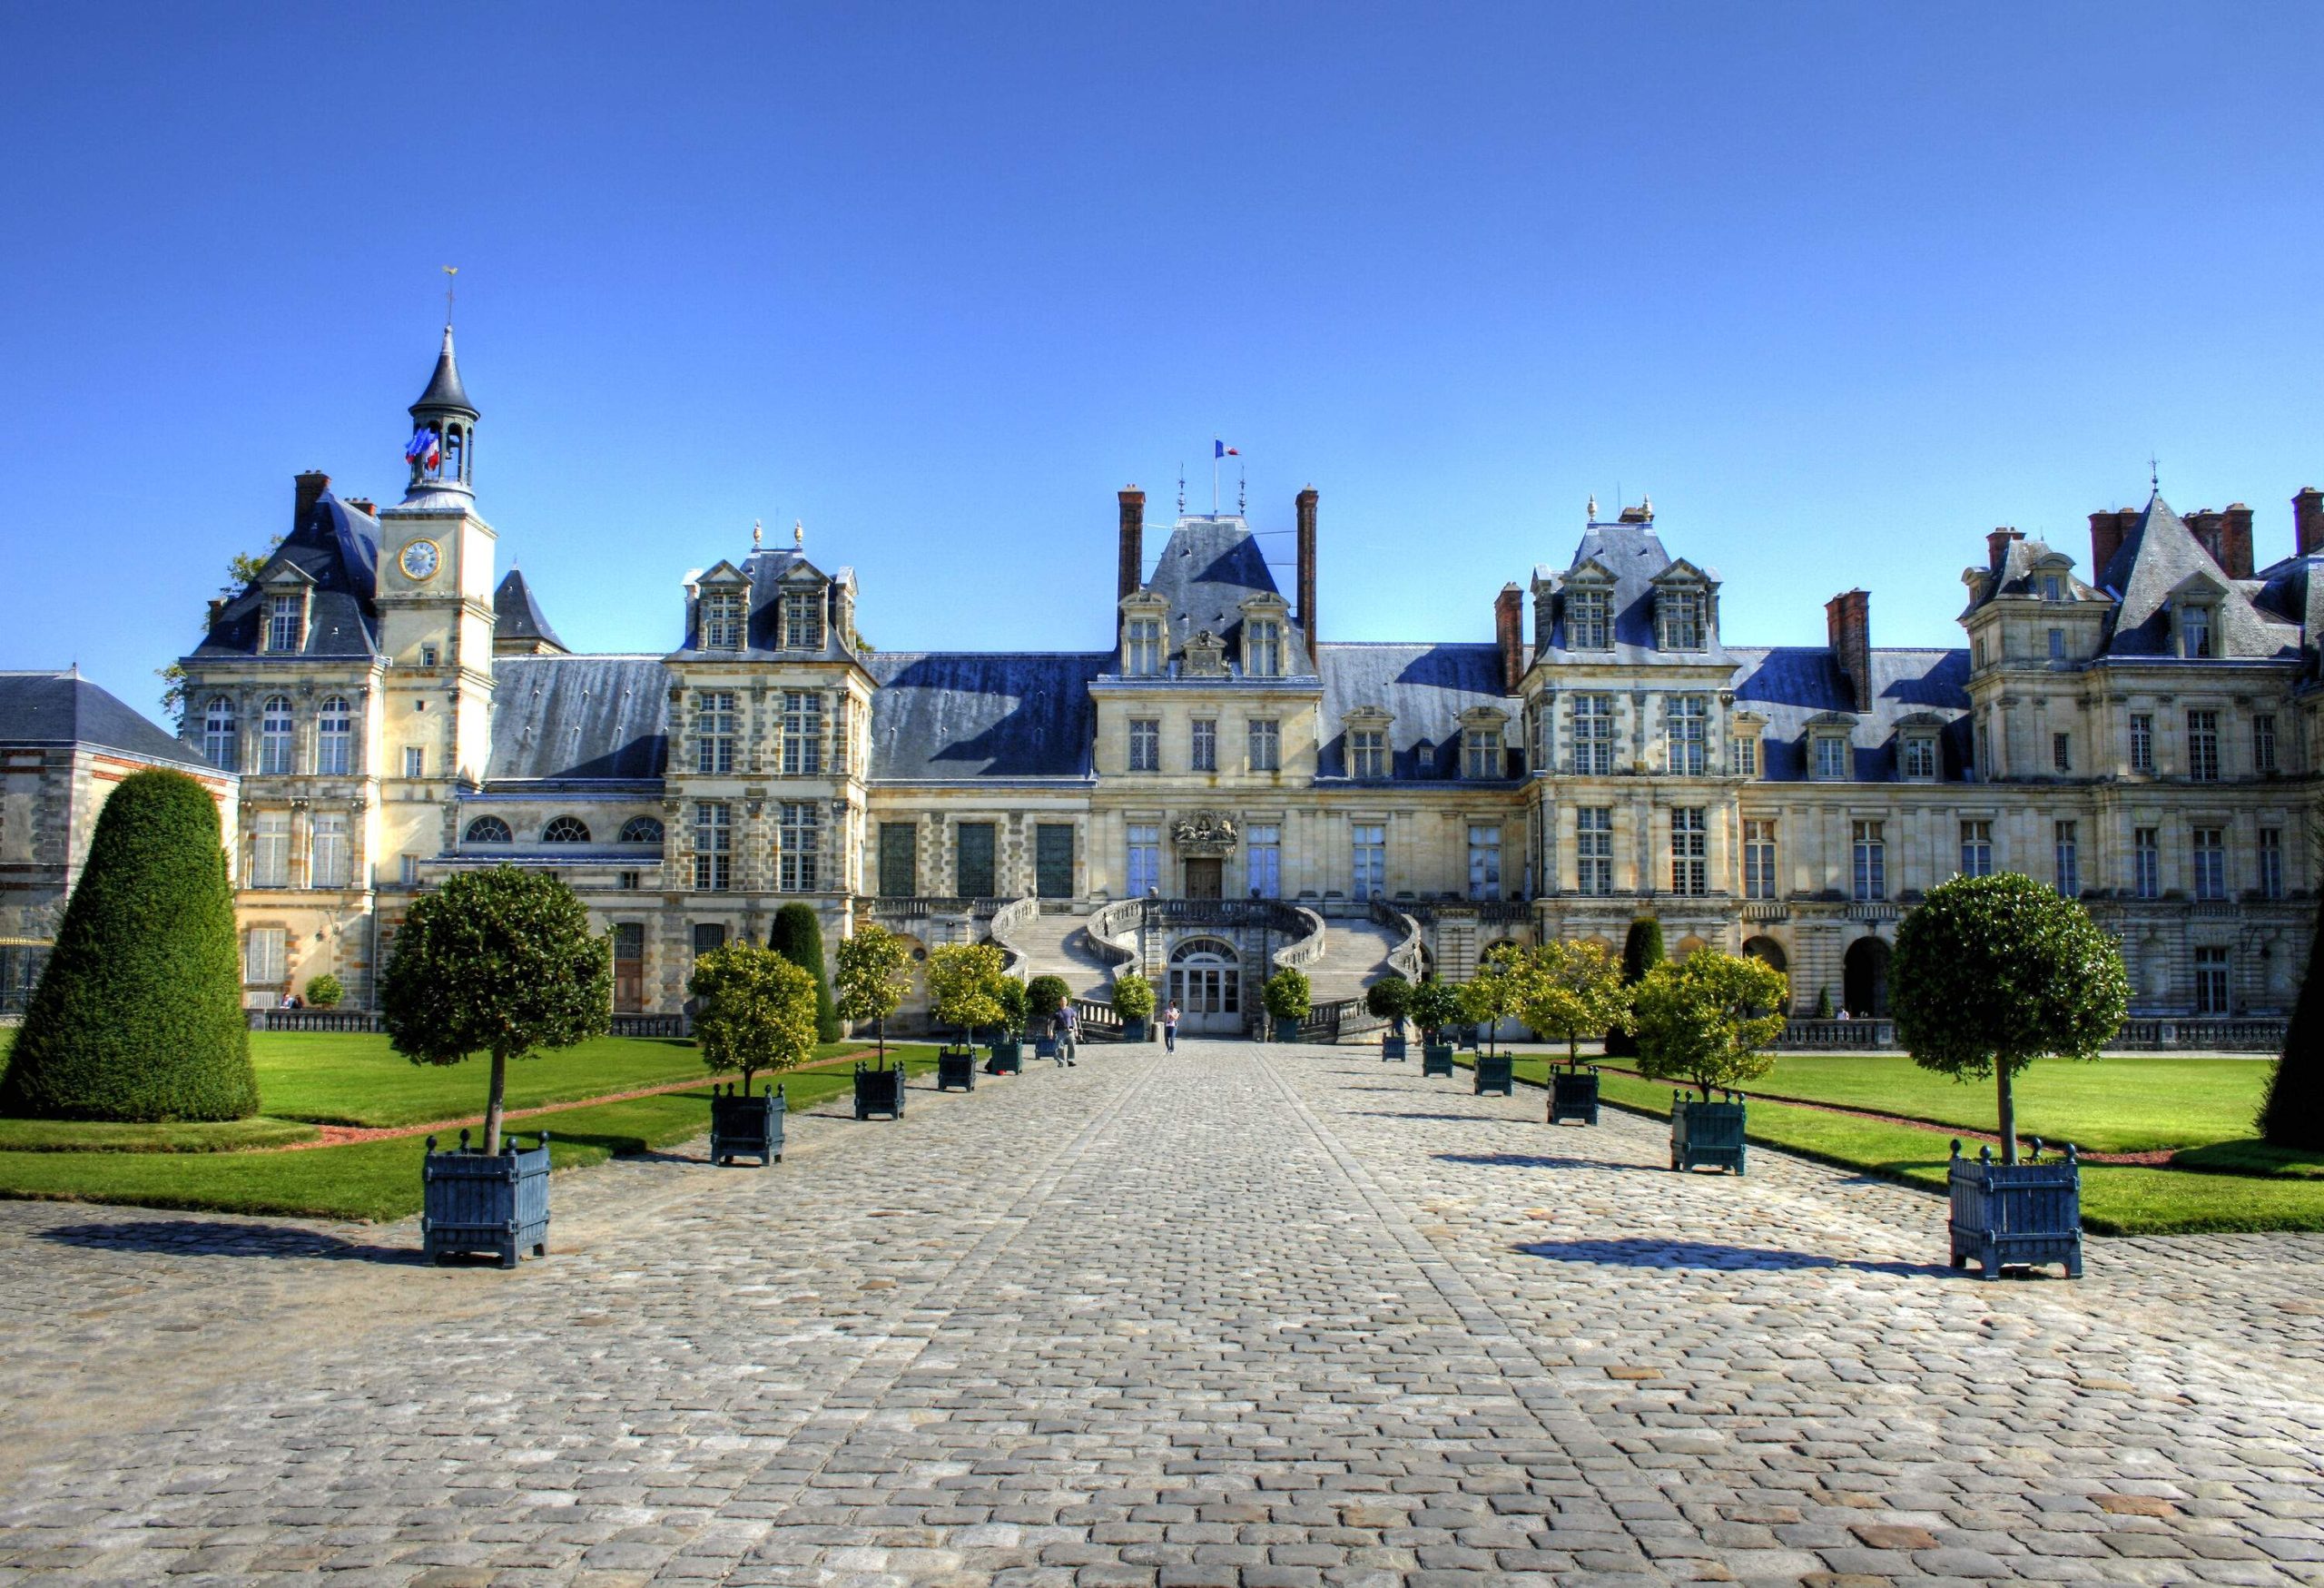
[(419, 559)]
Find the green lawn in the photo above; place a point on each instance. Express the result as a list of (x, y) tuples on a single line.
[(107, 1136)]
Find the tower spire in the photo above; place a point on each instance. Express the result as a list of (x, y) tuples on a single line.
[(442, 449)]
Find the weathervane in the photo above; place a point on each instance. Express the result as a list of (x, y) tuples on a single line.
[(1182, 491), (758, 533), (2154, 473), (450, 274)]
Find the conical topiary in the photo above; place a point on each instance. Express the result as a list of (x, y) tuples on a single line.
[(137, 1015), (1641, 951), (2293, 1114), (798, 936)]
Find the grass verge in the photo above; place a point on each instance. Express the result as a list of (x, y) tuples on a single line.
[(107, 1135)]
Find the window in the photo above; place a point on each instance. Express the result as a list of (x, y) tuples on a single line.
[(973, 860), (2212, 982), (329, 864), (1593, 736), (2195, 632), (1485, 862), (722, 620), (641, 829), (488, 830), (1586, 627), (1144, 874), (1976, 849), (628, 881), (800, 836), (2271, 862), (803, 621), (803, 734), (428, 656), (283, 623), (1369, 844), (1689, 851), (2146, 862), (1977, 651), (1920, 757), (2141, 742), (274, 738), (2063, 850), (2202, 745), (271, 850), (1985, 750), (1483, 757), (1682, 612), (713, 733), (414, 761), (1203, 753), (2263, 743), (1593, 850), (2210, 853), (1687, 721), (566, 830), (1758, 860), (1267, 745), (709, 936), (409, 869), (1367, 753), (263, 956), (2053, 589), (218, 739), (1831, 759), (1142, 647), (335, 737), (1263, 650), (898, 860), (714, 852), (1263, 859), (1871, 862), (2062, 751), (1746, 755), (1145, 744), (2057, 645)]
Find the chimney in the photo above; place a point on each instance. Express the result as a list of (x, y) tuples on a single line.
[(217, 605), (1133, 554), (1509, 634), (1848, 619), (365, 505), (1997, 548), (2235, 540), (2107, 533), (2208, 526), (2308, 521), (311, 487), (1308, 566)]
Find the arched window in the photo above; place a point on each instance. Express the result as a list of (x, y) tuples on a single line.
[(335, 737), (489, 830), (218, 734), (566, 830), (641, 829), (274, 735)]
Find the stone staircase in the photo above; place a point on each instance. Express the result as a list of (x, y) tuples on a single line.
[(1057, 945), (1356, 954)]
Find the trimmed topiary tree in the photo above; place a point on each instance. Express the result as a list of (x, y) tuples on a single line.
[(324, 991), (1707, 1019), (1823, 1003), (756, 1010), (1133, 996), (138, 1014), (1641, 951), (499, 961), (1389, 999), (1435, 1006), (2293, 1114), (1994, 972), (798, 936), (874, 972), (1045, 995)]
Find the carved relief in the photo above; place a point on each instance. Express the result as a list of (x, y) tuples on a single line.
[(1205, 833)]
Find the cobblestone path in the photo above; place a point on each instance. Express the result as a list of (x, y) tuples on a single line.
[(1247, 1315)]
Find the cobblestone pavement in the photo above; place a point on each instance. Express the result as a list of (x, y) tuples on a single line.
[(1250, 1315)]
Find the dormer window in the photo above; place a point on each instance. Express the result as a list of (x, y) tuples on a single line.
[(1588, 625), (286, 612), (722, 620), (2052, 587), (1680, 615), (803, 621), (1142, 647), (1831, 750), (1831, 759), (1367, 743), (1744, 743), (2195, 631), (1917, 757), (1262, 649), (1482, 752)]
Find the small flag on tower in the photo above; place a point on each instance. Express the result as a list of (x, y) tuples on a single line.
[(423, 447), (1221, 449)]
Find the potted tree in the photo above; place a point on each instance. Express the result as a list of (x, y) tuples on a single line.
[(1990, 974), (1485, 999), (874, 971), (1134, 1001), (960, 978), (500, 961), (1007, 1050), (755, 1010), (1569, 989), (324, 991), (1390, 998), (1288, 1000), (1435, 1006), (1044, 996), (1707, 1019)]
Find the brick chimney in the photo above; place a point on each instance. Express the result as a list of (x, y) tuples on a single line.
[(1848, 619), (1133, 564), (310, 487), (1307, 566), (2235, 540), (1509, 634), (2207, 524), (365, 505), (1997, 548), (2107, 533), (2308, 521)]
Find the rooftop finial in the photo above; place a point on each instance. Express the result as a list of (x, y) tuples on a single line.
[(1241, 490), (798, 534), (2154, 474), (1646, 503), (1182, 491), (758, 533), (1593, 506), (451, 272)]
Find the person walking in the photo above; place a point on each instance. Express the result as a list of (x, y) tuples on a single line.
[(1057, 1038), (1069, 1035), (1171, 1028)]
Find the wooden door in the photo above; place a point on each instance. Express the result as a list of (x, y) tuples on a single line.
[(629, 967), (1205, 879)]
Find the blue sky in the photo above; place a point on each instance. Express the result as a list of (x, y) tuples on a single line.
[(1842, 287)]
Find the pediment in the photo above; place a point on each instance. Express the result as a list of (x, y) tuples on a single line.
[(1368, 717), (725, 573), (285, 575), (1588, 571), (1679, 571), (2202, 586)]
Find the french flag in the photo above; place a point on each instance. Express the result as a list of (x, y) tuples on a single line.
[(1221, 449), (422, 449)]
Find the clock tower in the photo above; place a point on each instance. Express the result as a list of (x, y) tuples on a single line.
[(435, 601)]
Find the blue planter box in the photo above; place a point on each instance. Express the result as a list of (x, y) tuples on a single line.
[(1287, 1027), (1133, 1030), (747, 1125), (879, 1092), (1391, 1048), (1435, 1059), (1705, 1133), (1007, 1058), (1574, 1095), (495, 1202), (2016, 1212), (1044, 1047), (1496, 1072), (955, 1069)]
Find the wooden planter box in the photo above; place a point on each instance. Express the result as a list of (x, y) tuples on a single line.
[(1008, 1057), (1391, 1048), (747, 1125), (2016, 1212), (1133, 1030), (956, 1067), (879, 1092), (1574, 1095), (1435, 1059), (1287, 1027), (493, 1202), (1044, 1047), (1496, 1072), (1705, 1133)]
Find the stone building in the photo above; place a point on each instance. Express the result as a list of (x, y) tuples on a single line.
[(1227, 785)]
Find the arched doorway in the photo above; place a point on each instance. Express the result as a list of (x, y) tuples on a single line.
[(1769, 953), (1863, 979), (1207, 985)]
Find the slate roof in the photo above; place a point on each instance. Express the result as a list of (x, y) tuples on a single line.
[(64, 708), (1634, 555), (957, 715), (1208, 568), (2291, 590), (2155, 559), (338, 548), (1791, 684), (565, 717), (1425, 687), (516, 615), (444, 387)]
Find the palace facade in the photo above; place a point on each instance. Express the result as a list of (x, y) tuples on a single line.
[(2138, 730)]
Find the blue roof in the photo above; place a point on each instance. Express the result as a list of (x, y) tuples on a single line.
[(945, 715), (1424, 688), (338, 548), (562, 718)]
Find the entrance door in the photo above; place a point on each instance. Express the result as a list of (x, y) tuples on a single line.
[(1205, 879), (1206, 982), (629, 966), (1053, 861)]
